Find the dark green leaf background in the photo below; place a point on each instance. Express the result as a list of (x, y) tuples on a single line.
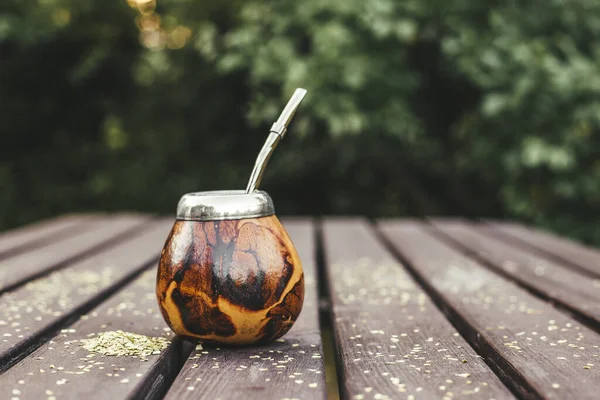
[(478, 109)]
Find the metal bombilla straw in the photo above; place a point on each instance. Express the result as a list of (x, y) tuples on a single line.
[(278, 131)]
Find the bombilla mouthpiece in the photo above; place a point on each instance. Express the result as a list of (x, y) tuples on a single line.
[(277, 132), (280, 126)]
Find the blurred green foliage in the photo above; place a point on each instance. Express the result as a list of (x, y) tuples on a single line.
[(418, 107)]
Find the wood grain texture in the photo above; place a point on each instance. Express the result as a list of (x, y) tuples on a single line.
[(583, 258), (290, 368), (28, 237), (62, 369), (538, 350), (100, 234), (548, 278), (36, 309), (393, 343), (233, 282)]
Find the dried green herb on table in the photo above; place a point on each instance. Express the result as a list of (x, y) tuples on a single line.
[(119, 343)]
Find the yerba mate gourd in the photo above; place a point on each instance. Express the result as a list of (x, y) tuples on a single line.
[(228, 272)]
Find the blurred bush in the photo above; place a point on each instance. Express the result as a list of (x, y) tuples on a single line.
[(415, 107)]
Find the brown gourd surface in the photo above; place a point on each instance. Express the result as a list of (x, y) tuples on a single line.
[(231, 282)]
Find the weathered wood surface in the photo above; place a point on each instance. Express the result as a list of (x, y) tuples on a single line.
[(537, 350), (27, 237), (101, 233), (548, 278), (68, 278), (62, 369), (32, 312), (583, 258), (291, 368), (393, 343)]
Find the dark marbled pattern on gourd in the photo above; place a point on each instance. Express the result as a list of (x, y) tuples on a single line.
[(232, 282)]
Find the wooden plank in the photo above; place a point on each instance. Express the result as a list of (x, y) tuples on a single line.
[(546, 278), (27, 237), (291, 368), (583, 258), (104, 232), (393, 343), (538, 350), (35, 310), (62, 369)]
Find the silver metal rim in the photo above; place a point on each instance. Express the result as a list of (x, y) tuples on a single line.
[(224, 204)]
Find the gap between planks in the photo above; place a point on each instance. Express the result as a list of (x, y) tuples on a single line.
[(330, 350), (548, 279), (100, 235), (577, 256), (392, 340), (153, 378), (290, 368), (32, 236), (63, 369), (54, 368), (505, 323), (41, 307)]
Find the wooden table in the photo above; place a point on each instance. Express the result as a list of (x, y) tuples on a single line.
[(394, 309)]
